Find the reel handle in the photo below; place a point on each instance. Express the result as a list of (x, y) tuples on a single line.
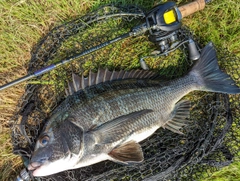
[(192, 7)]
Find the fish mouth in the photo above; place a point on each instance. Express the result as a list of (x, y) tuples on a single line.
[(41, 169), (34, 165)]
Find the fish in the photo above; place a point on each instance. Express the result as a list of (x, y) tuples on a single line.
[(107, 115)]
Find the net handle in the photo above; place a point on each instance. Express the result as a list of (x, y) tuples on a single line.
[(192, 7)]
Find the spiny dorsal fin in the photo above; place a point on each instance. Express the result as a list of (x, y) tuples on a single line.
[(70, 89), (181, 112), (76, 82), (84, 82), (104, 75), (130, 152), (91, 78)]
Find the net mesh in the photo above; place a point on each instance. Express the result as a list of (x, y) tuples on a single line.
[(210, 141)]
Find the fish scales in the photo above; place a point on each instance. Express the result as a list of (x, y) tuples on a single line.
[(107, 118), (122, 98)]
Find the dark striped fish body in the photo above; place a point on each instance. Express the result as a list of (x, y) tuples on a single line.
[(124, 97), (111, 112)]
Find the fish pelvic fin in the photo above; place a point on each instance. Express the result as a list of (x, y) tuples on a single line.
[(208, 75), (128, 153), (180, 114)]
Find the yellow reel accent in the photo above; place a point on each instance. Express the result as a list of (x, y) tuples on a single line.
[(169, 17)]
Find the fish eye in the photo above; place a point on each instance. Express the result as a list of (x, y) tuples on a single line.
[(44, 140)]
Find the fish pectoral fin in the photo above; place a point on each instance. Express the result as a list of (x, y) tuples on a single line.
[(118, 128), (130, 152), (92, 127), (180, 114)]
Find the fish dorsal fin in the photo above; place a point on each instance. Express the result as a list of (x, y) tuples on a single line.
[(104, 75), (76, 82), (180, 114), (130, 152)]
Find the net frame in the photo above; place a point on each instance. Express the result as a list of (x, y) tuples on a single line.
[(181, 157)]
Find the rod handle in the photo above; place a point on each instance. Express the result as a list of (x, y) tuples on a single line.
[(192, 7)]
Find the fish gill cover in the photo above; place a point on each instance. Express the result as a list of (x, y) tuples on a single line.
[(211, 139)]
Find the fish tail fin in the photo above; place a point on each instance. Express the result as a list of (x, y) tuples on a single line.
[(208, 75)]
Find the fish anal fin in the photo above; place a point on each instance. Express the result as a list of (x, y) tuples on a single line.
[(130, 152), (180, 114)]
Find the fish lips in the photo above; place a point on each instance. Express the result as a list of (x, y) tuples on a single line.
[(37, 169), (35, 165), (48, 167)]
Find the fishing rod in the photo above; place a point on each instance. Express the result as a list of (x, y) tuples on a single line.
[(161, 22)]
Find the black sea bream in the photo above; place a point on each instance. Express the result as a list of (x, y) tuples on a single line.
[(107, 119)]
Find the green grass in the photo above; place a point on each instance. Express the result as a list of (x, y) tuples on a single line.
[(24, 22), (229, 173)]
